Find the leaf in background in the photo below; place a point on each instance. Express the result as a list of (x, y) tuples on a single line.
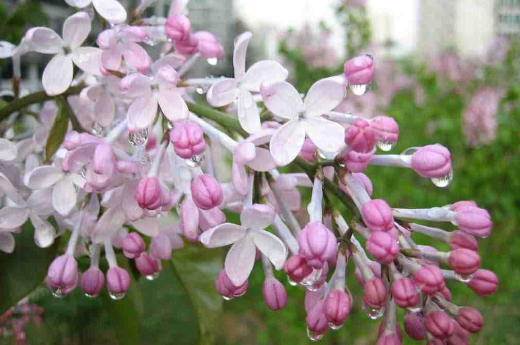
[(22, 271), (57, 133), (126, 314)]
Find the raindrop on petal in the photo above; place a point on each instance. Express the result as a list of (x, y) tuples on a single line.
[(444, 181), (373, 313), (116, 296), (138, 138), (212, 61), (313, 336), (358, 89), (385, 145)]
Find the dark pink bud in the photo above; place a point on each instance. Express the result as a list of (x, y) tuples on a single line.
[(374, 266), (274, 294), (62, 276), (118, 280), (459, 337), (309, 150), (429, 279), (359, 70), (464, 261), (357, 162), (148, 193), (133, 245), (297, 268), (360, 136), (337, 307), (470, 319), (484, 282), (414, 326), (364, 180), (374, 293), (385, 129), (316, 320), (460, 239), (462, 204), (382, 246), (225, 287), (187, 46), (405, 293), (187, 139), (432, 161), (206, 192), (161, 247), (439, 324), (208, 45), (378, 215), (446, 294), (146, 265), (177, 28), (317, 244), (475, 221), (92, 281)]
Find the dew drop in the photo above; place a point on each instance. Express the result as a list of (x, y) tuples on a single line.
[(90, 296), (200, 90), (416, 309), (409, 151), (57, 292), (116, 296), (227, 298), (334, 327), (385, 145), (138, 138), (97, 130), (444, 181), (291, 282), (240, 295), (358, 89), (195, 161), (373, 313), (170, 40), (313, 336), (153, 276), (311, 279), (466, 279), (212, 61)]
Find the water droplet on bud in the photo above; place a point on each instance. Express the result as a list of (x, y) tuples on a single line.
[(195, 161), (311, 279), (138, 138), (116, 296), (212, 61), (291, 282), (57, 292), (444, 181), (90, 296), (385, 145), (466, 279), (358, 89), (97, 130), (373, 313), (334, 327), (153, 276), (227, 298), (200, 90), (313, 336)]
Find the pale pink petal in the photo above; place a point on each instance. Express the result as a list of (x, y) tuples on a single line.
[(147, 226), (137, 57), (173, 105), (44, 232), (222, 92), (13, 217), (239, 54), (263, 160), (111, 59), (76, 29), (240, 260), (130, 205), (57, 75), (40, 202), (109, 224), (271, 246), (328, 136), (222, 235), (239, 178), (323, 96), (44, 40), (78, 3), (261, 72), (262, 137), (64, 196), (141, 113), (259, 216), (76, 159), (282, 99), (287, 142), (248, 114), (135, 85), (88, 59), (173, 60), (111, 10), (7, 189), (43, 176), (25, 148), (8, 150), (6, 49), (7, 243), (104, 110)]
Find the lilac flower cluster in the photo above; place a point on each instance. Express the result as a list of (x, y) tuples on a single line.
[(139, 162), (13, 321)]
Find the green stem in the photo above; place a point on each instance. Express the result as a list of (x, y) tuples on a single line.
[(221, 118)]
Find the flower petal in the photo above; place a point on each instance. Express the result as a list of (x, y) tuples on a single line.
[(76, 29), (104, 110), (239, 178), (111, 58), (240, 260), (173, 105), (6, 49), (263, 160), (239, 53), (261, 72), (323, 96), (259, 216), (142, 112), (248, 114), (111, 10), (8, 150), (78, 3), (147, 226), (64, 196), (57, 75), (282, 99), (44, 232), (76, 159), (222, 235), (222, 92), (43, 176), (7, 189), (328, 136), (173, 60), (271, 246), (135, 85), (137, 57), (13, 217), (7, 243), (88, 59), (44, 40), (287, 142), (40, 202), (109, 224)]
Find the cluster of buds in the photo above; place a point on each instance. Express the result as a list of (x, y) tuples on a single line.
[(141, 151), (13, 321)]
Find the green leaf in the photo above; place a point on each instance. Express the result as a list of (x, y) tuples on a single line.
[(57, 133), (22, 271), (126, 314)]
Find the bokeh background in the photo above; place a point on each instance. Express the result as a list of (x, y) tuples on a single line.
[(446, 70)]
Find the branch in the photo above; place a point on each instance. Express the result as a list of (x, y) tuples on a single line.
[(221, 118)]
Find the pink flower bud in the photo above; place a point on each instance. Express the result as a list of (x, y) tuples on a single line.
[(374, 266), (317, 244), (374, 293), (297, 268), (464, 261), (206, 192), (103, 161), (462, 204), (118, 280), (190, 220), (359, 70), (148, 193), (389, 339), (274, 294), (439, 324), (161, 247), (475, 221), (470, 319), (225, 287), (309, 150), (414, 326), (73, 140), (446, 294), (187, 139), (316, 320), (133, 245), (92, 281), (385, 129), (62, 276), (382, 246), (337, 307), (364, 180), (146, 265), (360, 136), (357, 162), (382, 329), (177, 28), (187, 46), (211, 218), (459, 337), (208, 45), (484, 282), (378, 215), (460, 239), (429, 279), (432, 161), (244, 153), (405, 293)]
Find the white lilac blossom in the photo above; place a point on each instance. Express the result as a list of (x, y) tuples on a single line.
[(129, 162)]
